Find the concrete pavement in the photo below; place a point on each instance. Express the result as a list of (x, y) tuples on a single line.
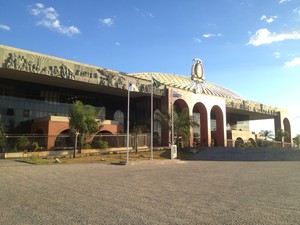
[(193, 192)]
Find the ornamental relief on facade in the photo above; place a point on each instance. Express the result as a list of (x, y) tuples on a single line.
[(37, 64), (56, 68), (251, 106), (46, 66)]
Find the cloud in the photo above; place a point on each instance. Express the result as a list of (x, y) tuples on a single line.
[(118, 43), (4, 27), (293, 63), (198, 40), (107, 21), (268, 20), (49, 18), (282, 1), (297, 10), (212, 35), (149, 14), (264, 36), (277, 55), (143, 13)]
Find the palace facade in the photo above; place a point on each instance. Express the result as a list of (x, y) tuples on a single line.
[(36, 91)]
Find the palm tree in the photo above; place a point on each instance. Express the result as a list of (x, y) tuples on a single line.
[(267, 134), (137, 129), (182, 122), (83, 120), (281, 135), (297, 140)]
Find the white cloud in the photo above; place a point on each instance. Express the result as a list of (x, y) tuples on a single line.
[(142, 13), (118, 43), (4, 27), (268, 20), (198, 40), (282, 1), (107, 21), (49, 19), (149, 14), (293, 63), (297, 10), (264, 36), (277, 55), (208, 35)]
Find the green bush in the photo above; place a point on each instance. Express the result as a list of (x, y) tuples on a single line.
[(86, 145), (22, 143), (262, 143), (248, 145), (98, 143), (35, 146)]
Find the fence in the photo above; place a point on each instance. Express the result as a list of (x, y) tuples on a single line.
[(258, 143), (33, 142)]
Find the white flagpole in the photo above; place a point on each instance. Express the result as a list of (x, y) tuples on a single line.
[(128, 105), (172, 118), (151, 136)]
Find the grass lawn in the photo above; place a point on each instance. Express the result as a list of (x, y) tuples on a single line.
[(109, 158)]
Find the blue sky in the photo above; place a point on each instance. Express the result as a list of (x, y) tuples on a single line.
[(248, 46)]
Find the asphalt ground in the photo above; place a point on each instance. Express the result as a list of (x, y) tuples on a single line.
[(157, 192)]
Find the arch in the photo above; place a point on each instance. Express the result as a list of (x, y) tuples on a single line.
[(201, 132), (105, 136), (238, 142), (184, 139), (252, 141), (180, 105), (63, 140), (217, 126), (104, 132), (287, 128)]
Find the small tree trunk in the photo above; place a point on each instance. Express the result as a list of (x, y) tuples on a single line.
[(136, 143)]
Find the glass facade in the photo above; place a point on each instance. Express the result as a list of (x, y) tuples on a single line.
[(22, 101)]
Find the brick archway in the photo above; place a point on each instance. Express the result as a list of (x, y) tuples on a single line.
[(217, 135), (179, 106), (203, 128), (287, 128)]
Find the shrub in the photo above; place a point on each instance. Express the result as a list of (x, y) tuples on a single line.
[(86, 145), (262, 143), (98, 143), (35, 146), (34, 157), (22, 143)]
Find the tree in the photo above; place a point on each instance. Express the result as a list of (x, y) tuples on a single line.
[(137, 129), (297, 140), (22, 143), (281, 135), (83, 120), (182, 123), (267, 134)]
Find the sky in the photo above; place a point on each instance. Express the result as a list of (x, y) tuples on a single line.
[(251, 47)]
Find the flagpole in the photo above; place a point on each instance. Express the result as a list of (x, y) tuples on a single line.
[(128, 105), (151, 135), (172, 118)]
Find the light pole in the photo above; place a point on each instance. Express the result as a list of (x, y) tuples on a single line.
[(75, 146), (131, 87), (128, 109)]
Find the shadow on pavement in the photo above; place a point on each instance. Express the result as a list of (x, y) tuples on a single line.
[(246, 154)]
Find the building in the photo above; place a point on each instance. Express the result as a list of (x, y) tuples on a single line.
[(36, 91)]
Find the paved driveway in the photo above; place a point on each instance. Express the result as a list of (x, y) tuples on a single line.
[(195, 192)]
